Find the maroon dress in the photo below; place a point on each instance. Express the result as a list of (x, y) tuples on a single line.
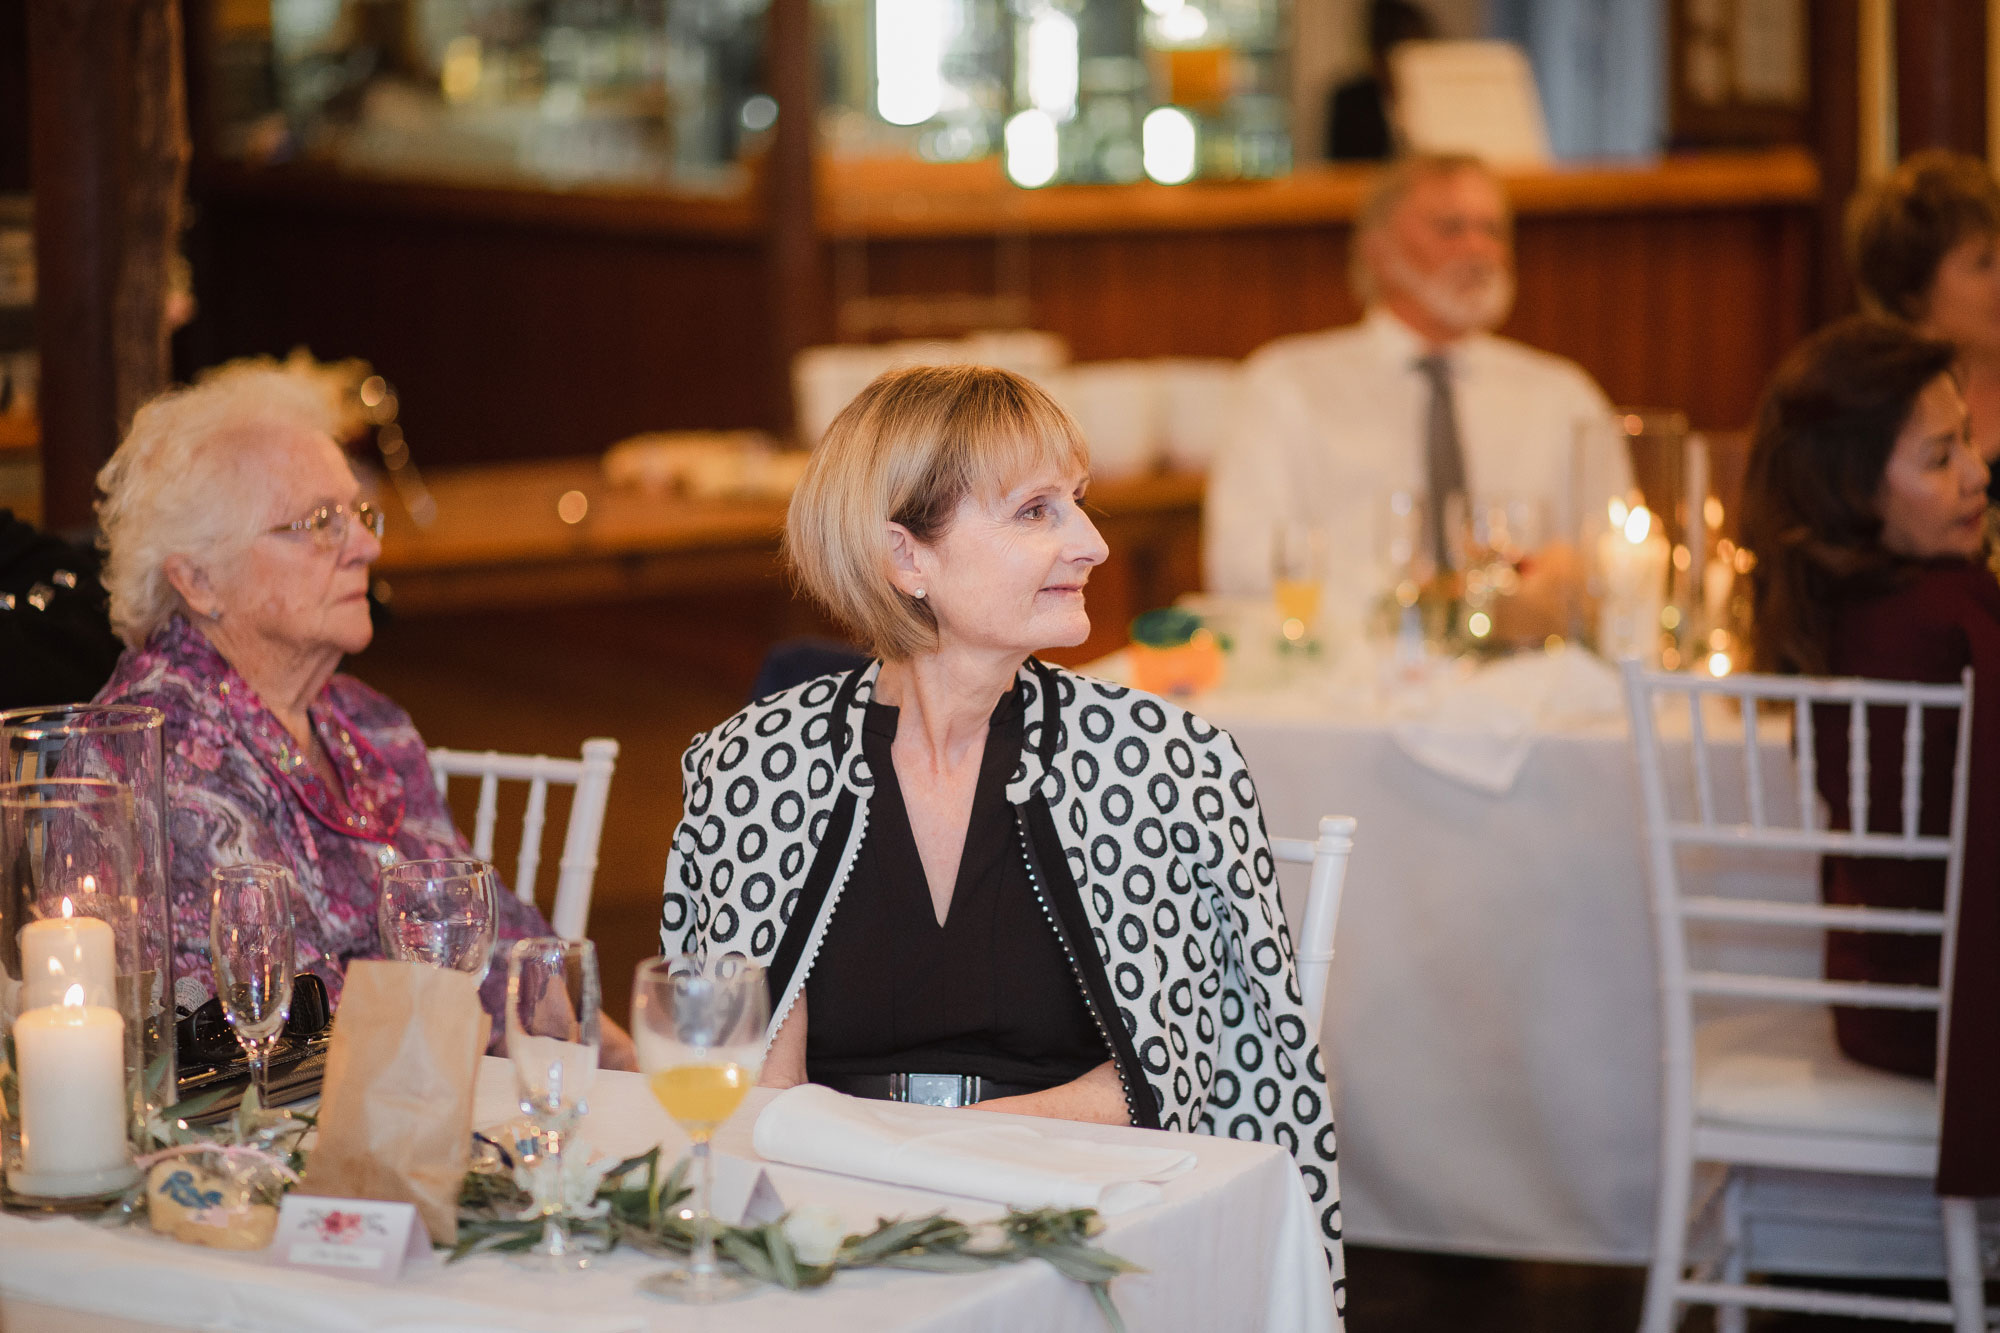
[(1945, 619)]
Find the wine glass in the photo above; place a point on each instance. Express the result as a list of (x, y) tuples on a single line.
[(440, 912), (1298, 568), (699, 1028), (552, 1038), (253, 951)]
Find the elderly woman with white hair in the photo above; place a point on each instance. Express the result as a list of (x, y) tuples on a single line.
[(238, 544), (976, 878)]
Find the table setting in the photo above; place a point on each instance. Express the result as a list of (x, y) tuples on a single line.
[(1491, 1027), (410, 1180)]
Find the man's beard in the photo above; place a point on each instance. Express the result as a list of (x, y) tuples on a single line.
[(1475, 306)]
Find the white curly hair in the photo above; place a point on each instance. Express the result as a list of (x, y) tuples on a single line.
[(177, 485)]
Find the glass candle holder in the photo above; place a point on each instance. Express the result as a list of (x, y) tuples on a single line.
[(85, 939), (68, 857)]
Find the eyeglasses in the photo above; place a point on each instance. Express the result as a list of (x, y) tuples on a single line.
[(328, 524)]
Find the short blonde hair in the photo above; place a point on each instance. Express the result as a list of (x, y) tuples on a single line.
[(175, 487), (908, 450), (1389, 188)]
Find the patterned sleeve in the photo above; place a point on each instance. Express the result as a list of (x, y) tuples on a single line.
[(683, 901), (1271, 1078)]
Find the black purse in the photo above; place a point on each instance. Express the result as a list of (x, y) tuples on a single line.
[(209, 1057)]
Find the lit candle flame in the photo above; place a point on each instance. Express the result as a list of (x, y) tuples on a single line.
[(1617, 510), (73, 997), (69, 908), (89, 884), (1637, 524)]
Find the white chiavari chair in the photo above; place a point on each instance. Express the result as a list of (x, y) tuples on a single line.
[(577, 870), (1327, 855), (1767, 1088)]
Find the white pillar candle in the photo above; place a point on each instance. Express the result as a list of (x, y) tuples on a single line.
[(1697, 523), (67, 950), (70, 1064), (1633, 558), (1717, 583)]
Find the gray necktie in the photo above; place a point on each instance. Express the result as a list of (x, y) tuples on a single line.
[(1444, 458)]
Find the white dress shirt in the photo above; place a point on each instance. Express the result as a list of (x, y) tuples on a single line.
[(1330, 424)]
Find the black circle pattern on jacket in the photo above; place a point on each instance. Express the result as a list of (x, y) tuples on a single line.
[(1162, 833)]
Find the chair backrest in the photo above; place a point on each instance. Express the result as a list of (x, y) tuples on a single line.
[(1697, 822), (577, 871), (1327, 855)]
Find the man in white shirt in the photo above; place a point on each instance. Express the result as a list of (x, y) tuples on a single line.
[(1418, 397)]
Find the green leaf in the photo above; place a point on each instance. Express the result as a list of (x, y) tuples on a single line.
[(942, 1261), (1083, 1265), (738, 1247), (784, 1260), (649, 1159), (1105, 1306), (887, 1238), (191, 1107)]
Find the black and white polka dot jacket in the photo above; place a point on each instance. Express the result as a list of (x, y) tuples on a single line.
[(1146, 846)]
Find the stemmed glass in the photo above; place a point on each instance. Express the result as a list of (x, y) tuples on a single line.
[(552, 1038), (440, 912), (1298, 568), (699, 1028), (252, 949)]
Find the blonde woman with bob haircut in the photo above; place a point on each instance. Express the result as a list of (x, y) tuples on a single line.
[(237, 546), (976, 878)]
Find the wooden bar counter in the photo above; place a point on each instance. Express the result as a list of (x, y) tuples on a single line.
[(500, 540), (519, 324), (1677, 284)]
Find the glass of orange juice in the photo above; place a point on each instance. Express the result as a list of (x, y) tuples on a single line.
[(698, 1024), (1298, 568)]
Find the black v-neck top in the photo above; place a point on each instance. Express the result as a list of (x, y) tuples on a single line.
[(989, 992)]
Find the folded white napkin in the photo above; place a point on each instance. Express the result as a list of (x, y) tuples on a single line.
[(1480, 730), (950, 1153)]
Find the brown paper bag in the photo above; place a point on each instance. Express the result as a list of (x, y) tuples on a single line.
[(395, 1111)]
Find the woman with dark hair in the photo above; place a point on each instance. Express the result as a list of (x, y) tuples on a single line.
[(1925, 245), (1865, 506)]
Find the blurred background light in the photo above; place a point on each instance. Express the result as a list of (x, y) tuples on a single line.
[(909, 60), (1167, 145), (1031, 155), (1052, 64)]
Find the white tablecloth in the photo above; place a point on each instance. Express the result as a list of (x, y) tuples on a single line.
[(1492, 1026), (1230, 1246)]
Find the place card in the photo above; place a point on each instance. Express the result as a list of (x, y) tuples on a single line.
[(744, 1195), (364, 1238)]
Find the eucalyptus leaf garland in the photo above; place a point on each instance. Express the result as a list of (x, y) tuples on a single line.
[(639, 1206), (636, 1204)]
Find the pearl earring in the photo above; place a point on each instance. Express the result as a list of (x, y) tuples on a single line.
[(918, 594)]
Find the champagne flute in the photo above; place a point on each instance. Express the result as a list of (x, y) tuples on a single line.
[(552, 1038), (699, 1025), (441, 912), (253, 950)]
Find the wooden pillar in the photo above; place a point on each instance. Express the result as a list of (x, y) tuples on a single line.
[(1835, 47), (793, 266), (109, 154), (1940, 76)]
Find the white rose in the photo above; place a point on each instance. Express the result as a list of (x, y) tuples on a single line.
[(815, 1233), (581, 1178)]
